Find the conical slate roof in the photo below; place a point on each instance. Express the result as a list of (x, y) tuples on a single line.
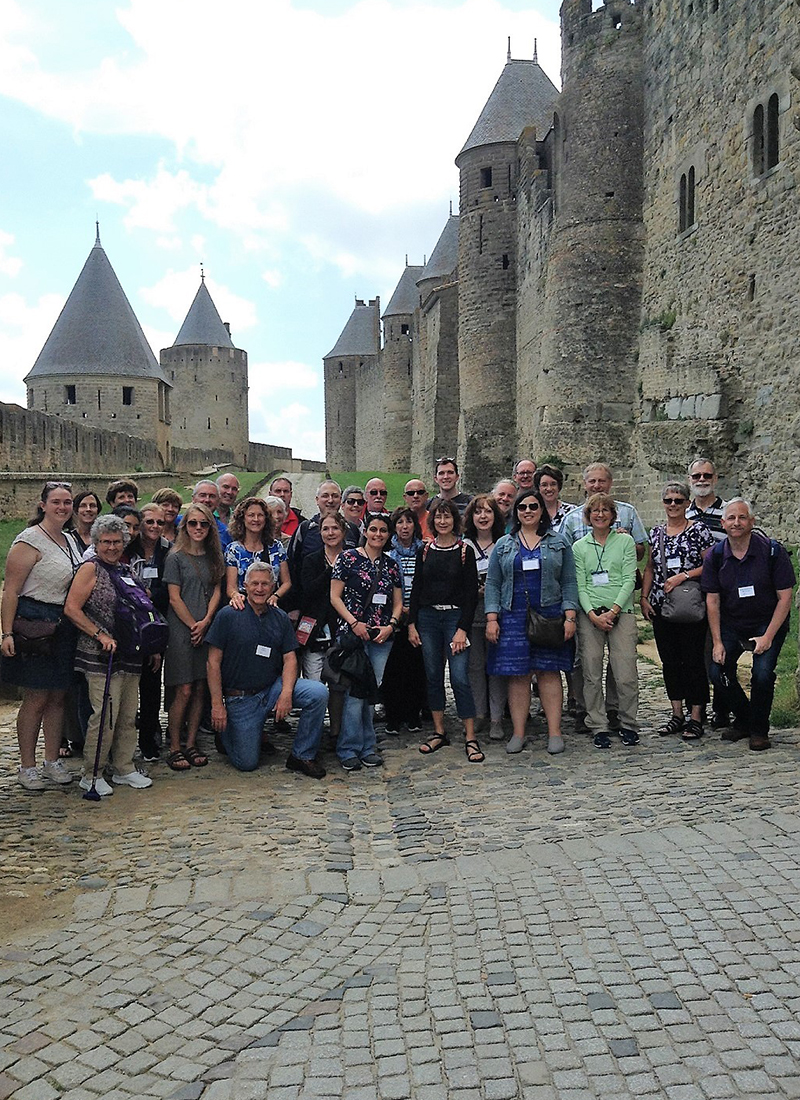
[(97, 331), (523, 96), (360, 334), (444, 258), (404, 299), (203, 324)]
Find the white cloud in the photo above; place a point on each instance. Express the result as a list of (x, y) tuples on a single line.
[(9, 265), (272, 278), (289, 426), (176, 290), (265, 377), (23, 331)]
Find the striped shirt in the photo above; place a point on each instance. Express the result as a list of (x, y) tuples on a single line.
[(711, 517)]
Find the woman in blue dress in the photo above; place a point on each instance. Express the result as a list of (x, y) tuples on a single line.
[(532, 566)]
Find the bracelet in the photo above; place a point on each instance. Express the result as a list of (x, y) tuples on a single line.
[(566, 620), (8, 635), (99, 632)]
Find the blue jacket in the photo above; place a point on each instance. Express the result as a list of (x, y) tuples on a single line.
[(558, 574)]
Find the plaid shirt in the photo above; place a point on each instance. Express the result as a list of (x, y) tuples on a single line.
[(574, 528)]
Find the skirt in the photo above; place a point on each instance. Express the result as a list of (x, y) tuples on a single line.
[(50, 673)]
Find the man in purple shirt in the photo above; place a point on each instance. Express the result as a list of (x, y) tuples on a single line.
[(748, 583)]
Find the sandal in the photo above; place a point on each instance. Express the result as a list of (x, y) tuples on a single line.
[(675, 725), (692, 731), (178, 762), (435, 742), (196, 758), (473, 751)]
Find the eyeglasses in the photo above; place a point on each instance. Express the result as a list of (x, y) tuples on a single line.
[(154, 522), (701, 477), (197, 523), (674, 500), (415, 492), (528, 507)]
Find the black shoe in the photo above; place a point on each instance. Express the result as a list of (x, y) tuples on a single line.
[(392, 729), (150, 752), (720, 721), (629, 737), (759, 742), (602, 741), (736, 732), (613, 719), (414, 726), (351, 764), (306, 767)]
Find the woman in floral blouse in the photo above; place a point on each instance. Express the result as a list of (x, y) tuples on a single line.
[(255, 538), (677, 549)]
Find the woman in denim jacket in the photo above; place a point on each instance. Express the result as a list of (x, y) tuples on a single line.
[(531, 566)]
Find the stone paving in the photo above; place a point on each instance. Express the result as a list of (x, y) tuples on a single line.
[(622, 923)]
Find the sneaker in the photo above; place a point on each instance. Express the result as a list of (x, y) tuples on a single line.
[(613, 719), (496, 732), (133, 779), (103, 789), (352, 764), (602, 741), (55, 771), (150, 752), (414, 726), (305, 767), (372, 760), (392, 730), (629, 737), (31, 780)]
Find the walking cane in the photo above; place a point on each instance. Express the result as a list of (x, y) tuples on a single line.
[(91, 795)]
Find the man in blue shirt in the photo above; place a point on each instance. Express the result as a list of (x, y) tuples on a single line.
[(252, 670), (748, 583)]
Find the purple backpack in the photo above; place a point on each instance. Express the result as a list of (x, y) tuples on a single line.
[(139, 629)]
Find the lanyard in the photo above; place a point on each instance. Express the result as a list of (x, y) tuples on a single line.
[(599, 555)]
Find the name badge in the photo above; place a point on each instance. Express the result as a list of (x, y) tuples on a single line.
[(130, 581), (263, 651), (673, 563), (530, 563), (600, 577), (483, 565), (379, 598), (746, 590), (150, 573)]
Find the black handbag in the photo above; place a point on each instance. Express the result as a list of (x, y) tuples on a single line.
[(542, 631), (34, 637)]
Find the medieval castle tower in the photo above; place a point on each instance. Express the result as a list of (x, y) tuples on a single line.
[(620, 280)]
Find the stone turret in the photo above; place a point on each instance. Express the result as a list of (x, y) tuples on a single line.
[(210, 382), (96, 366), (487, 264), (350, 370), (397, 356), (592, 310)]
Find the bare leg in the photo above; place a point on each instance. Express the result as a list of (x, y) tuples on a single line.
[(29, 721), (438, 722), (519, 703), (177, 710), (53, 723), (194, 712), (552, 699)]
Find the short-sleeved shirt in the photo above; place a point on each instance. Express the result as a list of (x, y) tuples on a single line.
[(748, 587), (240, 559), (358, 573), (253, 646), (51, 576), (711, 517), (574, 526), (682, 552)]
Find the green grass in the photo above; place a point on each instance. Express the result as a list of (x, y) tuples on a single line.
[(247, 479), (395, 483), (785, 705)]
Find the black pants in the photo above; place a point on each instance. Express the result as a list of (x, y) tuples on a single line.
[(404, 688), (681, 648), (149, 705)]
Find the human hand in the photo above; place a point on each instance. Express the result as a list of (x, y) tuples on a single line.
[(492, 631), (413, 636), (219, 716)]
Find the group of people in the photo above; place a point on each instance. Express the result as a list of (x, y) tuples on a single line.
[(268, 612)]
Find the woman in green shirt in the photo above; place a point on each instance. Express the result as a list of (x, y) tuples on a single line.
[(605, 564)]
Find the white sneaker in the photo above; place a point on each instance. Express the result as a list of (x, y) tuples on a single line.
[(55, 770), (133, 779), (103, 789), (31, 780)]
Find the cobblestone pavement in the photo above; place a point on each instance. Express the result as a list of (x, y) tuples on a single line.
[(621, 923)]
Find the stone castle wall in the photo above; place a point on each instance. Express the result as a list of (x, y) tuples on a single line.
[(370, 414), (396, 360), (209, 397), (435, 382)]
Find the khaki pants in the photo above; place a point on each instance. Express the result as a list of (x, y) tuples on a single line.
[(119, 732), (621, 644)]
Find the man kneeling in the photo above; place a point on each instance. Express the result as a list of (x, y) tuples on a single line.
[(252, 669)]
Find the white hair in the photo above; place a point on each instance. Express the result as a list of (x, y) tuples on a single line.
[(738, 500)]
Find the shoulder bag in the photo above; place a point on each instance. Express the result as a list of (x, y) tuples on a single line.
[(685, 603)]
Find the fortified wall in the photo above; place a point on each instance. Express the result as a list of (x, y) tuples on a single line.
[(624, 284)]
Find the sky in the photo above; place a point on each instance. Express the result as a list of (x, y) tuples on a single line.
[(299, 149)]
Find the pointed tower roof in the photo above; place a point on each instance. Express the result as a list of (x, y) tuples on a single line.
[(360, 334), (444, 258), (203, 324), (404, 299), (524, 95), (97, 331)]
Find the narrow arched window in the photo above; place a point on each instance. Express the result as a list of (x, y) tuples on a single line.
[(758, 141), (682, 223), (690, 197), (772, 139)]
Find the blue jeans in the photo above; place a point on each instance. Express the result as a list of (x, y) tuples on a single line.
[(247, 713), (753, 713), (357, 737), (436, 630)]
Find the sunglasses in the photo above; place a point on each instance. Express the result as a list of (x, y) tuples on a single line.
[(378, 492), (415, 492), (154, 522), (674, 500), (197, 523), (354, 502), (701, 477), (58, 485), (527, 507)]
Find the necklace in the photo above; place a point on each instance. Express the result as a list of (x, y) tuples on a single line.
[(525, 543), (330, 562)]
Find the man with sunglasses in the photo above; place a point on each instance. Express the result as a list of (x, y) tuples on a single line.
[(415, 497), (376, 493), (706, 507)]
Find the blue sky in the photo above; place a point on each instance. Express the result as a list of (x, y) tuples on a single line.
[(300, 150)]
